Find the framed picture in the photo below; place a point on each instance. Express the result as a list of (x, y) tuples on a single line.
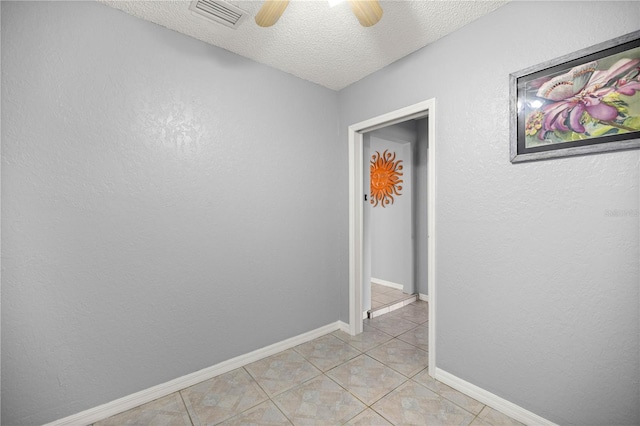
[(581, 103)]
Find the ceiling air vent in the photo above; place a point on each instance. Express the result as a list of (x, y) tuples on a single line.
[(218, 11)]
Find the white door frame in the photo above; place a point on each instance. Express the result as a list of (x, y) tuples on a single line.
[(422, 109)]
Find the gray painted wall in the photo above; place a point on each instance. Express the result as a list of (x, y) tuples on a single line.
[(167, 205), (537, 285), (391, 227)]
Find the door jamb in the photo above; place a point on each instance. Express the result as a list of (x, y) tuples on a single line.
[(422, 109)]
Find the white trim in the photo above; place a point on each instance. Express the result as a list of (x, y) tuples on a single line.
[(387, 283), (423, 296), (147, 395), (391, 308), (355, 232), (355, 132), (494, 401), (431, 232)]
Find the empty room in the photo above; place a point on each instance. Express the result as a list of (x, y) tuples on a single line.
[(193, 193)]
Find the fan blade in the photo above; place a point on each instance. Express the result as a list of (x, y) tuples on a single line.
[(368, 12), (270, 12)]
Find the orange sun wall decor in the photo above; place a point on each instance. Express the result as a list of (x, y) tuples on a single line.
[(385, 178)]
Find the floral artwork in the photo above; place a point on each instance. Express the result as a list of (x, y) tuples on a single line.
[(385, 178), (581, 102), (585, 102)]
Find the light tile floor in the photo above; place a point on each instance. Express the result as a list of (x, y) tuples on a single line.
[(376, 378), (383, 296)]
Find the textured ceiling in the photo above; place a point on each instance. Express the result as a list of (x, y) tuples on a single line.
[(315, 42)]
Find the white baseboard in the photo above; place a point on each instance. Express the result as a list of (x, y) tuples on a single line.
[(494, 401), (381, 311), (343, 326), (387, 283), (424, 297), (147, 395)]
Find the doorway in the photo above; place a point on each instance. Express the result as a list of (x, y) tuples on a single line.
[(423, 110), (395, 217)]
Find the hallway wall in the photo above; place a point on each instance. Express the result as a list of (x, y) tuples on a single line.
[(537, 283), (161, 199), (391, 227)]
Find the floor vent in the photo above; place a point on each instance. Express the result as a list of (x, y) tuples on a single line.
[(218, 11)]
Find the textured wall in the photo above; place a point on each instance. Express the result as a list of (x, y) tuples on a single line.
[(391, 227), (537, 285), (162, 199)]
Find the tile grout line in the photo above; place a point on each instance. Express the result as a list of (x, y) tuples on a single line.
[(380, 414), (474, 419), (376, 346), (350, 393), (451, 401), (330, 368), (257, 383), (185, 407), (283, 413), (409, 377), (358, 398), (297, 386), (365, 409)]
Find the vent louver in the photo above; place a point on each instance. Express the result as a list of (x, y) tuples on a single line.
[(218, 11)]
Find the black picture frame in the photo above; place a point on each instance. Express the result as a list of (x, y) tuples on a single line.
[(581, 103)]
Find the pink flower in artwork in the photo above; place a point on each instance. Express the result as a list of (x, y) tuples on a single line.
[(582, 90)]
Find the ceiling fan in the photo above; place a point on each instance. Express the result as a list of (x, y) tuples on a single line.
[(368, 12)]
